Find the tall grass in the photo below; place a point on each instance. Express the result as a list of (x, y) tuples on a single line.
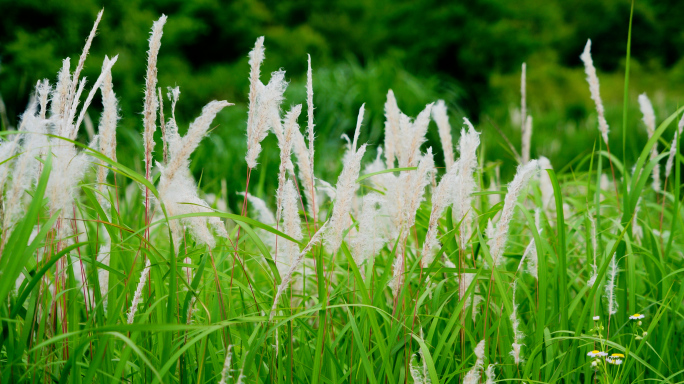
[(394, 275)]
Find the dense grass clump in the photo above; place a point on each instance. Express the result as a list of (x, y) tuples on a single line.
[(396, 271)]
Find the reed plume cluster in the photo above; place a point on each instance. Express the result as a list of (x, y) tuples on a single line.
[(592, 79), (345, 277)]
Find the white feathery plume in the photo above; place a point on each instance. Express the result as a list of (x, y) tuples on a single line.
[(517, 334), (594, 246), (411, 192), (178, 190), (441, 200), (530, 254), (7, 150), (256, 56), (376, 165), (412, 136), (107, 133), (473, 376), (106, 71), (648, 115), (225, 372), (165, 146), (464, 189), (497, 244), (151, 103), (69, 166), (306, 177), (650, 123), (32, 130), (347, 148), (673, 148), (138, 292), (392, 130), (103, 256), (346, 189), (310, 109), (305, 156), (593, 81), (173, 94), (368, 240), (287, 250), (170, 127), (490, 231), (285, 143), (70, 89), (416, 187), (68, 129), (241, 375), (58, 100), (359, 120), (263, 101), (180, 148), (81, 60), (296, 264), (526, 140), (490, 374), (419, 371), (610, 286), (441, 118), (545, 185)]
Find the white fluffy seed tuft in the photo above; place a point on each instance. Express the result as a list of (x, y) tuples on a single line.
[(497, 242), (593, 81)]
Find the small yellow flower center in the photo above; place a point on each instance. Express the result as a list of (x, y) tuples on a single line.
[(637, 315), (618, 355), (594, 351)]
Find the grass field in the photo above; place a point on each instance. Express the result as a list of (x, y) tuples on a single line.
[(392, 271)]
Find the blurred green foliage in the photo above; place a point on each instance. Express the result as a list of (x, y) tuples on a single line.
[(465, 52)]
